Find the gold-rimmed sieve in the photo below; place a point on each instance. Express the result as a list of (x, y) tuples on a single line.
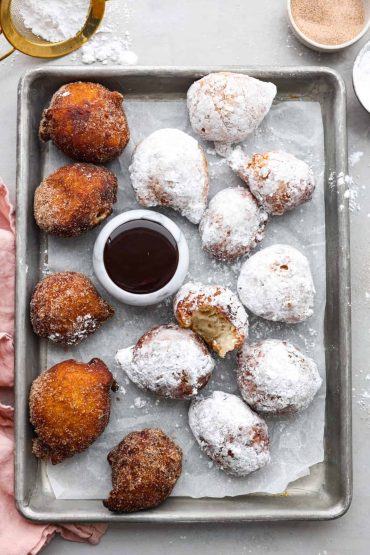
[(22, 39)]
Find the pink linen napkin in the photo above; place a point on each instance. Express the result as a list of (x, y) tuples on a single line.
[(19, 536)]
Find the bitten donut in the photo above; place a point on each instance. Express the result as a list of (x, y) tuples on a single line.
[(214, 313), (276, 284), (278, 180), (86, 122), (233, 224), (230, 433), (145, 468), (169, 168), (274, 377), (226, 107), (169, 361)]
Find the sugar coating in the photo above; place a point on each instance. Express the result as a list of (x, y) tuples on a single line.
[(169, 168), (169, 361), (233, 224), (230, 433), (275, 377), (226, 107), (195, 294), (276, 284), (277, 179)]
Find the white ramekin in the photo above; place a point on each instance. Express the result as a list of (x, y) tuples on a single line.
[(328, 47), (361, 85), (137, 299)]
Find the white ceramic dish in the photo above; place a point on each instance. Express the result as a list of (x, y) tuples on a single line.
[(361, 79), (147, 298), (327, 47)]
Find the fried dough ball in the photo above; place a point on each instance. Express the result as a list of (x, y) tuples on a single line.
[(276, 284), (226, 107), (230, 433), (69, 408), (86, 122), (274, 377), (145, 468), (233, 224), (74, 199), (214, 313), (278, 180), (169, 361), (169, 168), (66, 308)]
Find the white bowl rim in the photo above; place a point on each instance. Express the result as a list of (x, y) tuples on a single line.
[(355, 69), (319, 45), (140, 299)]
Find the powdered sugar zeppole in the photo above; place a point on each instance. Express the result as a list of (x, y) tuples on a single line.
[(226, 107), (213, 312), (278, 180), (233, 224), (169, 168), (230, 433), (275, 377), (169, 361), (276, 283)]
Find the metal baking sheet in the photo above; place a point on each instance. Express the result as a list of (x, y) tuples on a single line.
[(326, 492)]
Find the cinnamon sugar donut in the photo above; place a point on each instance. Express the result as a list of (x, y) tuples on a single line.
[(226, 107), (74, 199), (146, 465), (233, 224), (278, 180), (230, 433), (86, 121), (169, 168), (214, 313), (66, 308), (276, 284), (169, 361), (274, 377)]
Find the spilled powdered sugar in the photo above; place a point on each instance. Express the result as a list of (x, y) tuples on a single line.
[(278, 180), (112, 44), (354, 158), (169, 169), (226, 430), (195, 294), (273, 376), (166, 359), (233, 224), (276, 284), (342, 181)]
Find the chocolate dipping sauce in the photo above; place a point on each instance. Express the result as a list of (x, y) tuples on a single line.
[(141, 256)]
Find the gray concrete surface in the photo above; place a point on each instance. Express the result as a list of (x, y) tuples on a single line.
[(252, 32)]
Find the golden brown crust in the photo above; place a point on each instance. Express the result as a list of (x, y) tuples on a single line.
[(74, 199), (145, 468), (69, 408), (86, 121), (66, 308)]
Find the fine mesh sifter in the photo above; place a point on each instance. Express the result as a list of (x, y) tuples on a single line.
[(22, 39)]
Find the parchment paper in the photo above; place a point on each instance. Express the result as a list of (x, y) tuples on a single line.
[(296, 442)]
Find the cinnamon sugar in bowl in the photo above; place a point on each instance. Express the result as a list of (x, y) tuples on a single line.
[(329, 25)]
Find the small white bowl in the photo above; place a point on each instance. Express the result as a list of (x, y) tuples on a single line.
[(328, 47), (361, 80), (138, 299)]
